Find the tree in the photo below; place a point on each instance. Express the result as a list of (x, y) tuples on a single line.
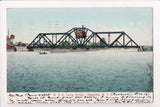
[(65, 43), (102, 42)]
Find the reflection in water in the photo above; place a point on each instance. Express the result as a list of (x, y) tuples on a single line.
[(98, 71)]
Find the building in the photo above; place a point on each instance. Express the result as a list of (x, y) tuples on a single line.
[(10, 43)]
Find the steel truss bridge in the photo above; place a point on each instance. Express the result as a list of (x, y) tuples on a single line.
[(92, 39)]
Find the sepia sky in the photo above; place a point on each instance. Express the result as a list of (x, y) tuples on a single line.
[(25, 23)]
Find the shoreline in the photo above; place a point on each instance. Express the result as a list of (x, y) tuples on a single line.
[(72, 50), (77, 50)]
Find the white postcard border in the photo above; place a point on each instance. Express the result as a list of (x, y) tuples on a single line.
[(54, 4)]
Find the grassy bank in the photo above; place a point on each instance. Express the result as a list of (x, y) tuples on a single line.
[(147, 48)]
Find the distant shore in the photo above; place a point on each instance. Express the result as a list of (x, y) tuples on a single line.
[(61, 50), (72, 50), (57, 50)]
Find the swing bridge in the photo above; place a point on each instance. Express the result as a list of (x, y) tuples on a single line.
[(82, 37)]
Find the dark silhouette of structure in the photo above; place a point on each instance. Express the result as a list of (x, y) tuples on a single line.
[(82, 37)]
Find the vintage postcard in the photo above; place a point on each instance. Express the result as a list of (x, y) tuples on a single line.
[(79, 55)]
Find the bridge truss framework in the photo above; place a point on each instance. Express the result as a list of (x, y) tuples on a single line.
[(92, 40)]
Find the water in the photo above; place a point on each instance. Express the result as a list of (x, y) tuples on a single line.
[(98, 71)]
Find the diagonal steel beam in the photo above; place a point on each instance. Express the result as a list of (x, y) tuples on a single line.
[(101, 39), (72, 39), (132, 40), (47, 41), (37, 41), (88, 39), (116, 39), (119, 43), (33, 40), (128, 42)]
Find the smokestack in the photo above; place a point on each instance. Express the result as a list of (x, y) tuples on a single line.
[(8, 33)]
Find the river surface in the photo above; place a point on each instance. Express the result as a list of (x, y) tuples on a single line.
[(94, 71)]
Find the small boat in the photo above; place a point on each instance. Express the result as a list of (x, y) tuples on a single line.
[(41, 53)]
